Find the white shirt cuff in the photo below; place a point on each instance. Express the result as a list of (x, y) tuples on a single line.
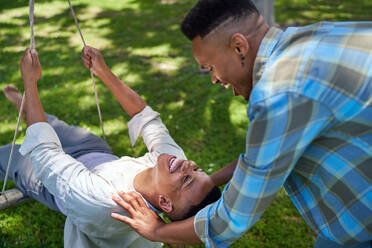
[(138, 121), (36, 134)]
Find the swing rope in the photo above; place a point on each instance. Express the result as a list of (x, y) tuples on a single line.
[(32, 46), (91, 72)]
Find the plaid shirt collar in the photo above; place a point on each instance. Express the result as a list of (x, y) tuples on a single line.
[(265, 50)]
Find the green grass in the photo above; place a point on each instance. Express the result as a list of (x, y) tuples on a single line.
[(142, 43)]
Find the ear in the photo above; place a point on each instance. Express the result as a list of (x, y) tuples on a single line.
[(239, 43), (165, 203)]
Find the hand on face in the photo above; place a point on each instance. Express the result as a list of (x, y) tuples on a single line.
[(143, 220), (30, 67), (93, 59)]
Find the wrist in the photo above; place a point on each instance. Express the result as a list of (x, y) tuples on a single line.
[(29, 83), (156, 235), (104, 73), (107, 77)]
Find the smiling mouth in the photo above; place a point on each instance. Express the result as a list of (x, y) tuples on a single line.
[(174, 163)]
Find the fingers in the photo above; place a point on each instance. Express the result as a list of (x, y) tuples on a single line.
[(124, 204), (134, 198), (31, 57), (27, 58), (122, 218), (90, 51), (87, 62), (35, 57)]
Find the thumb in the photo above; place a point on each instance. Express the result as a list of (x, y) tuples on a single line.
[(27, 56), (35, 57)]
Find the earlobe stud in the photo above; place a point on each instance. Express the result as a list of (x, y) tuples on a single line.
[(242, 59)]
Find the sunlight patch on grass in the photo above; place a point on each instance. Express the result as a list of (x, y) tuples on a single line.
[(150, 34), (114, 4), (85, 102), (14, 49), (160, 50), (116, 126), (9, 223), (89, 13), (208, 112), (120, 68), (174, 27), (167, 64), (47, 10), (8, 126), (175, 105), (90, 39), (56, 70), (14, 15), (132, 78), (238, 112)]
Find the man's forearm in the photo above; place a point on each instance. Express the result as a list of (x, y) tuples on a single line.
[(223, 175), (179, 232), (131, 102), (34, 109)]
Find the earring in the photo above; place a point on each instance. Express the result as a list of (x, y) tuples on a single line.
[(242, 59)]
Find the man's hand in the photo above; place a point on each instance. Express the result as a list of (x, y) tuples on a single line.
[(93, 59), (30, 67), (143, 220)]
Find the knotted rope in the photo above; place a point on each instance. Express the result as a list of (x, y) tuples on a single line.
[(91, 72)]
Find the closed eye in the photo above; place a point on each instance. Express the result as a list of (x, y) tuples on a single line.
[(186, 178)]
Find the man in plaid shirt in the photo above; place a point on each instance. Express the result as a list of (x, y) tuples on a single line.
[(310, 110)]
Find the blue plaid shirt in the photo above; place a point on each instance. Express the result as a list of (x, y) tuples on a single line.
[(310, 114)]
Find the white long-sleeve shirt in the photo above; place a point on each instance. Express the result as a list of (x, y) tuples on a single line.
[(86, 195)]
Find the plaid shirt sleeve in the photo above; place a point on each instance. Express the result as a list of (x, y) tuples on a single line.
[(281, 128)]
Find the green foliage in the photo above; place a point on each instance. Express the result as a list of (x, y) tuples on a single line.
[(142, 43)]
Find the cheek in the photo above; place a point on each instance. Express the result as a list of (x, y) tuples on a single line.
[(168, 183), (230, 70)]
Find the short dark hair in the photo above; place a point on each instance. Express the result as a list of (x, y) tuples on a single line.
[(213, 195), (206, 15)]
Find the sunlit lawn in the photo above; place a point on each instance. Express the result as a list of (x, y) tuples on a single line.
[(142, 44)]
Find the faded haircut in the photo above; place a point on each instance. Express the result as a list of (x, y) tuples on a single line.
[(207, 15), (213, 195)]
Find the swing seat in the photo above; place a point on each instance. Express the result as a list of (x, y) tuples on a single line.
[(11, 198)]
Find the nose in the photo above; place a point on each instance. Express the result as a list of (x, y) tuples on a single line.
[(186, 167)]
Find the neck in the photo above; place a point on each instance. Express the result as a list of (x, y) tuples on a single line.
[(256, 36), (144, 185)]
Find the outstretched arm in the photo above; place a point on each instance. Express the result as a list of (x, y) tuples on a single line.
[(131, 102), (144, 221), (223, 175), (31, 73)]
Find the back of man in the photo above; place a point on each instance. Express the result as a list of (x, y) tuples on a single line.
[(318, 79)]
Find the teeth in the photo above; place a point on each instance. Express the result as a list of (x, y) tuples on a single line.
[(172, 163)]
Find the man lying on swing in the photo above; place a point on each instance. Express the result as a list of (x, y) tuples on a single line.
[(73, 171)]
